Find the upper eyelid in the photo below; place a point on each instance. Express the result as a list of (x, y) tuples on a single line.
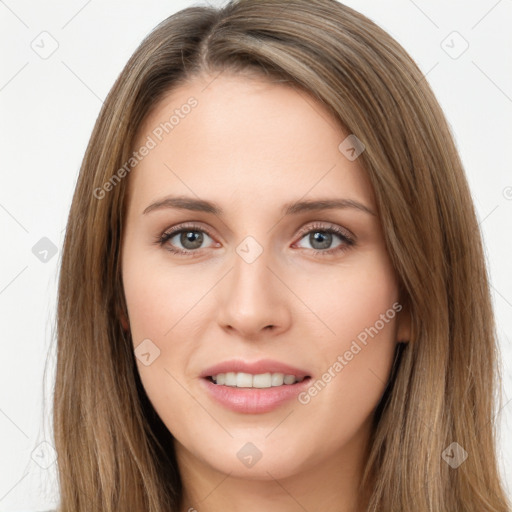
[(326, 227), (197, 227), (192, 227)]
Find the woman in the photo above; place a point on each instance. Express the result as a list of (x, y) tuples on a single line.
[(273, 291)]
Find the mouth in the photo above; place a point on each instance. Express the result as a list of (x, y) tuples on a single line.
[(254, 387), (257, 393), (256, 381)]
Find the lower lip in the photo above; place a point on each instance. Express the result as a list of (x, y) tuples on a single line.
[(252, 400)]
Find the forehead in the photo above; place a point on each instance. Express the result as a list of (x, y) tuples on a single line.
[(235, 135)]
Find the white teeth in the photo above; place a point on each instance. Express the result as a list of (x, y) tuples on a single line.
[(230, 379), (289, 379), (243, 380), (277, 379), (261, 380)]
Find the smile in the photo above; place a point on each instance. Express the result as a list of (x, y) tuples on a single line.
[(260, 380)]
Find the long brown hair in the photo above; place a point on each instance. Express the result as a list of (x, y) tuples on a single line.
[(114, 453)]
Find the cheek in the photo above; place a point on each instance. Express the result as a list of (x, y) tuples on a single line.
[(360, 307), (160, 305), (163, 305), (353, 299), (157, 299)]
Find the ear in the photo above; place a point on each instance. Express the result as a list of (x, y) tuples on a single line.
[(123, 319), (404, 321)]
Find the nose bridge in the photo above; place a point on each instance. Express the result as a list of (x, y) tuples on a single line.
[(252, 300), (251, 277)]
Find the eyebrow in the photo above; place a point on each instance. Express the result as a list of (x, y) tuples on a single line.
[(293, 208)]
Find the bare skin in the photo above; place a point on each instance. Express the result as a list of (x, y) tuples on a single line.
[(251, 147)]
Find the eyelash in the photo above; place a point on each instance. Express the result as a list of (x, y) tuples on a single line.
[(333, 229)]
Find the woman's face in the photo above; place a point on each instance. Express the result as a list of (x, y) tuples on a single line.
[(265, 275)]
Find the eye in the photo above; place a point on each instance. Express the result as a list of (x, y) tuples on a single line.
[(321, 237), (190, 237)]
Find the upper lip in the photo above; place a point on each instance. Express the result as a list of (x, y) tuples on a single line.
[(254, 367)]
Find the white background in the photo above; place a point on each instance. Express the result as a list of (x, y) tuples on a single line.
[(49, 107)]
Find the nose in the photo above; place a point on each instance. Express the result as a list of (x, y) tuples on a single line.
[(253, 298)]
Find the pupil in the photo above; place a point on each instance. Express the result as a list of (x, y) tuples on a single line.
[(322, 237), (188, 237)]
